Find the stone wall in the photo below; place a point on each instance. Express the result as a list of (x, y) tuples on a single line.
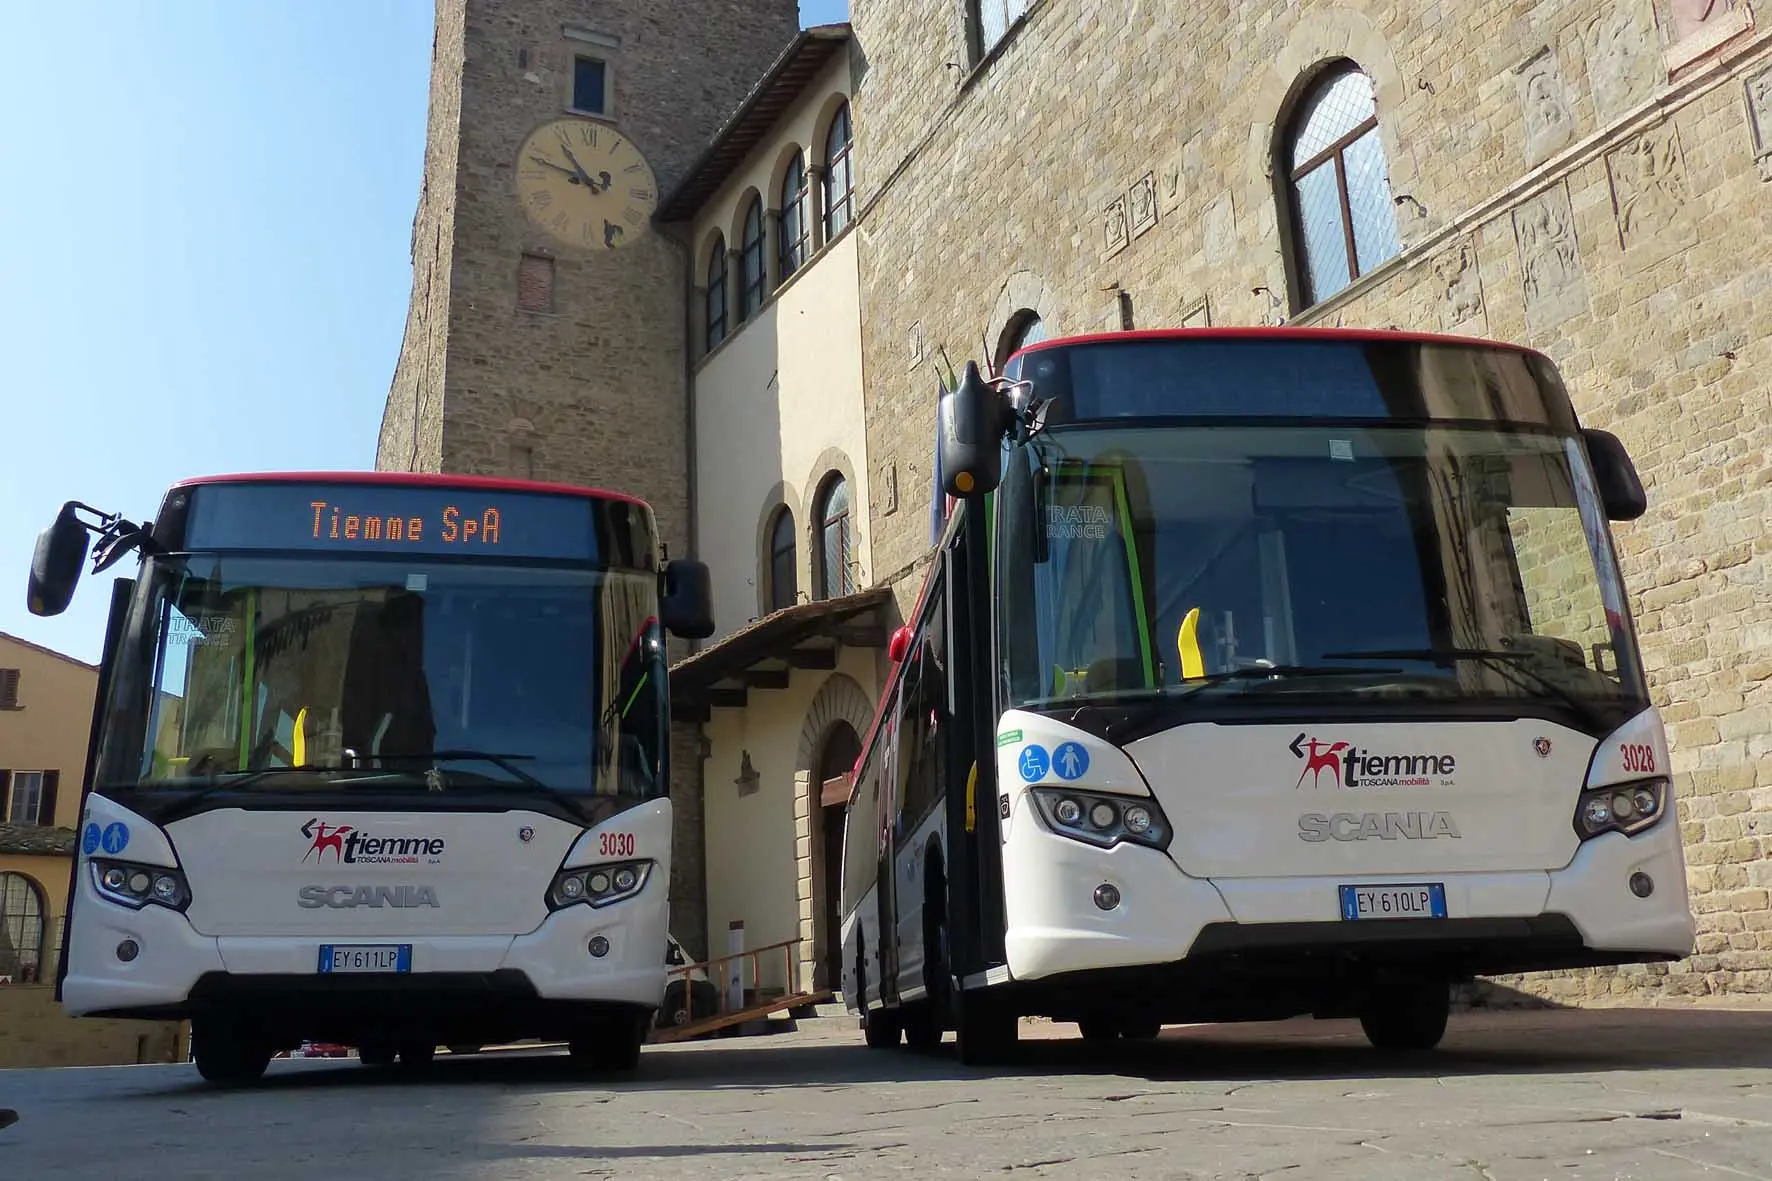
[(35, 1032), (1552, 186)]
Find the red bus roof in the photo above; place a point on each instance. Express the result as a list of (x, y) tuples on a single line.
[(1273, 333), (413, 480)]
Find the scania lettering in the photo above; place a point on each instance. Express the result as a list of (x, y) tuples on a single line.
[(1258, 673), (362, 748)]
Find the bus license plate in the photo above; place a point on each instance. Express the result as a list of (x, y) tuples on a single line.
[(386, 957), (1426, 901)]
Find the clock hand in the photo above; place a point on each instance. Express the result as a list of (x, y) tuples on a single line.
[(557, 168), (582, 174)]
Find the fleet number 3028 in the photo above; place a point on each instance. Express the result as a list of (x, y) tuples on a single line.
[(617, 844), (1639, 757)]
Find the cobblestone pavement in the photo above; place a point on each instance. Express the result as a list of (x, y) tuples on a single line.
[(1664, 1094)]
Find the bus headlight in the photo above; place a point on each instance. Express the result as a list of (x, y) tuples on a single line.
[(129, 884), (1103, 820), (599, 885), (1628, 808)]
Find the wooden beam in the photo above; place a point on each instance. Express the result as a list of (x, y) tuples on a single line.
[(766, 678), (821, 658), (726, 698), (862, 635)]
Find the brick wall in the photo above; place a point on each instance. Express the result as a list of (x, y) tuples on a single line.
[(1554, 187)]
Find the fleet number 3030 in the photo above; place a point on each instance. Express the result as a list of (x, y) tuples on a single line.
[(1639, 757), (618, 844)]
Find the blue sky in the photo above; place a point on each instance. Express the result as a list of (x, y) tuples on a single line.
[(203, 251)]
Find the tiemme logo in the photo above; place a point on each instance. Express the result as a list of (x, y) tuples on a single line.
[(1351, 766)]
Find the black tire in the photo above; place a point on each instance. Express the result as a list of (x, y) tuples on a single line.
[(227, 1056), (376, 1054), (1141, 1030), (611, 1047), (988, 1029), (881, 1029), (1407, 1018), (1098, 1029), (417, 1057)]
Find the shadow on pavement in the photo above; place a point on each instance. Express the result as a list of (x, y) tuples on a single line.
[(1567, 1041)]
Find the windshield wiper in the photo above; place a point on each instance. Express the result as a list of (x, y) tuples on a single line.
[(1501, 660), (1287, 670), (504, 762)]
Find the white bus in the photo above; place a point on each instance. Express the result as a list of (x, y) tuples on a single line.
[(1259, 673), (377, 759)]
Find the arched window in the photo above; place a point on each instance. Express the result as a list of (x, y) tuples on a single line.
[(1025, 328), (794, 226), (716, 297), (994, 18), (836, 540), (839, 177), (755, 276), (783, 580), (21, 929), (1343, 220)]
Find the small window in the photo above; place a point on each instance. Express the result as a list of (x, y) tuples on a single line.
[(839, 177), (589, 76), (994, 19), (755, 273), (784, 586), (24, 803), (1343, 219), (715, 307), (794, 225), (9, 688), (837, 534), (535, 283)]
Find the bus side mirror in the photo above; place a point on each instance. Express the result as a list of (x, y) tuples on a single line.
[(55, 565), (1621, 490), (974, 419), (686, 606), (899, 644)]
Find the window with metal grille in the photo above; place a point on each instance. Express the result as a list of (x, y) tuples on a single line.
[(9, 688), (839, 176), (796, 230), (715, 305), (1344, 223), (783, 577), (21, 929), (755, 273), (836, 531)]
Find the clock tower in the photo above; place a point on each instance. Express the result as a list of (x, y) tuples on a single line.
[(546, 334)]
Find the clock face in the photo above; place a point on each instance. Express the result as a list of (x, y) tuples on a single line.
[(586, 184)]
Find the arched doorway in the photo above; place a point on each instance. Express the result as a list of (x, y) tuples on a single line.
[(22, 922), (831, 787)]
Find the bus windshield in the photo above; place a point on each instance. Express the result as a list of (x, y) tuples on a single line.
[(277, 673), (1459, 562)]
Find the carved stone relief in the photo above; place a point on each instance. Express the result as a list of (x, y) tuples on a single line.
[(916, 344), (887, 482), (1169, 187), (1460, 284), (1220, 229), (1550, 259), (1649, 185), (1622, 61), (1114, 233), (1759, 119), (1141, 200), (1695, 27), (1544, 102), (1198, 314)]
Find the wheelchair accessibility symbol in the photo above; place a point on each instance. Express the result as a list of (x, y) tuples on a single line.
[(1034, 763)]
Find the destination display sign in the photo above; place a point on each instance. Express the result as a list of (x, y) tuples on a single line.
[(392, 518)]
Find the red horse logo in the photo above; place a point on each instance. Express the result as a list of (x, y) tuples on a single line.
[(1320, 757), (324, 839)]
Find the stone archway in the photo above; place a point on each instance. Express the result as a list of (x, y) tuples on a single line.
[(830, 740)]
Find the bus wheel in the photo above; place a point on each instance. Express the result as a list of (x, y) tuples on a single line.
[(987, 1029), (226, 1056), (880, 1028), (1407, 1017), (417, 1057), (615, 1046), (1098, 1029), (1138, 1030), (375, 1054)]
